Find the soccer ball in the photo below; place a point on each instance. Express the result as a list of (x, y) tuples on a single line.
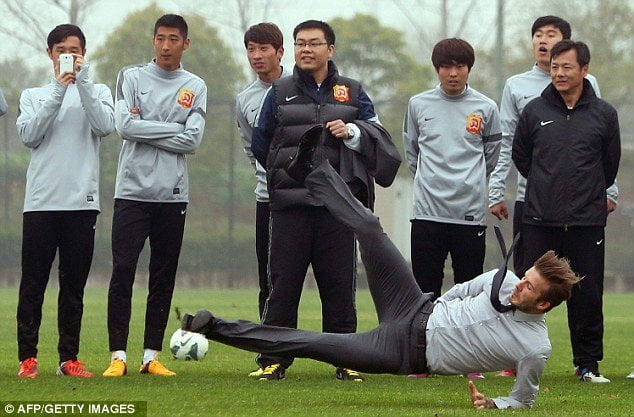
[(188, 345)]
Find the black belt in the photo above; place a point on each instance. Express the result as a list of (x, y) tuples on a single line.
[(418, 358)]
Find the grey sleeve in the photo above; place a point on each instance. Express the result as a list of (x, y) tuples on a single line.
[(97, 103), (529, 370), (508, 122), (32, 125), (613, 192), (492, 140), (3, 105), (189, 140), (246, 132), (470, 288), (131, 126), (410, 139)]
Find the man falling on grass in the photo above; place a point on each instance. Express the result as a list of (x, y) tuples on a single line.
[(498, 316)]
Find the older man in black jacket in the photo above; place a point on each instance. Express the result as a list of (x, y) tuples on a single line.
[(567, 144)]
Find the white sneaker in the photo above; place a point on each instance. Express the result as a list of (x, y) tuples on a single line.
[(589, 376), (631, 375)]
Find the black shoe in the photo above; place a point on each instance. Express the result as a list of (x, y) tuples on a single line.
[(301, 164), (202, 322), (345, 374), (273, 372)]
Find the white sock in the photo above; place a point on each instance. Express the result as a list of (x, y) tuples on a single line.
[(118, 354), (149, 355)]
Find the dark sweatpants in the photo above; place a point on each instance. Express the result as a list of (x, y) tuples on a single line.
[(585, 248), (262, 214), (44, 232), (133, 222), (518, 254), (389, 348), (433, 241)]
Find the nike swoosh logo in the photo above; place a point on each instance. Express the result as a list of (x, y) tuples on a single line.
[(252, 110), (525, 97), (144, 92), (546, 123), (599, 242), (290, 98), (428, 118), (183, 211), (480, 233), (186, 341)]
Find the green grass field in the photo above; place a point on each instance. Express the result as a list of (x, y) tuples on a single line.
[(218, 386)]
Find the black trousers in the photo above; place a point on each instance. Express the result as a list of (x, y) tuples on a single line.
[(518, 254), (585, 248), (44, 233), (310, 235), (133, 222), (402, 308), (433, 241), (262, 214)]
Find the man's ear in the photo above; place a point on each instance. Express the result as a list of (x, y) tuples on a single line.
[(543, 305)]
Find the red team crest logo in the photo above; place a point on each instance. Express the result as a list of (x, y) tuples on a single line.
[(186, 98), (474, 123), (341, 93)]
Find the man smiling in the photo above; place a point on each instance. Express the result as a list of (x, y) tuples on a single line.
[(303, 232), (567, 145), (160, 115)]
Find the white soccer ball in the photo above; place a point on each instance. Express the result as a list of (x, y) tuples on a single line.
[(188, 345)]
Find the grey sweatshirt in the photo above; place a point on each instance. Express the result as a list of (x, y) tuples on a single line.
[(451, 145), (3, 105), (63, 126), (173, 104), (519, 90), (248, 104)]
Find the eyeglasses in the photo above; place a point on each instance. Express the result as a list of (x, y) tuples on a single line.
[(309, 45)]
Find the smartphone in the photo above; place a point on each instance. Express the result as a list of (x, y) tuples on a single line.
[(66, 63)]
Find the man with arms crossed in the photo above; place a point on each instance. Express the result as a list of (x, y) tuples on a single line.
[(62, 123), (303, 232), (567, 144), (265, 47), (414, 334), (160, 114)]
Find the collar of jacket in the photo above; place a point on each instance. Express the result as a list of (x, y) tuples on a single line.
[(551, 95), (305, 81)]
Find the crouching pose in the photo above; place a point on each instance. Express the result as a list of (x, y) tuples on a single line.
[(414, 334)]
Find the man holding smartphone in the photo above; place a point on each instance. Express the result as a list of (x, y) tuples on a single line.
[(62, 123)]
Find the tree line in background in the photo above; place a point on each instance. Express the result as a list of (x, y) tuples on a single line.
[(218, 247)]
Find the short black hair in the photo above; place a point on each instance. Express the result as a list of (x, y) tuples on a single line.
[(61, 32), (583, 52), (172, 21), (558, 22), (453, 51), (316, 24), (264, 33)]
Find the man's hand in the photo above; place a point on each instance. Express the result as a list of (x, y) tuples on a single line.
[(611, 206), (478, 399), (66, 78), (499, 210), (338, 129), (78, 61), (135, 111)]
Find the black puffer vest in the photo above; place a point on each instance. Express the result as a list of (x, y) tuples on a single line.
[(298, 110)]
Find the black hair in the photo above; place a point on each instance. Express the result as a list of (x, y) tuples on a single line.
[(172, 21), (316, 24), (558, 22), (264, 33), (583, 53), (453, 51), (61, 32)]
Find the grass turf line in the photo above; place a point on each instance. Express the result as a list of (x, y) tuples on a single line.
[(218, 385)]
